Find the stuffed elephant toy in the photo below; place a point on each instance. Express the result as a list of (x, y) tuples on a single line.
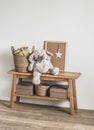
[(39, 63)]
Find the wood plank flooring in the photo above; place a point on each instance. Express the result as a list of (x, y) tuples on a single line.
[(38, 117)]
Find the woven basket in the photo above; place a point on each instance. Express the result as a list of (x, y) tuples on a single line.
[(20, 61), (25, 88), (59, 91), (42, 89)]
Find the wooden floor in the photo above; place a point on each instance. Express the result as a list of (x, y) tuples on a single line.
[(36, 117)]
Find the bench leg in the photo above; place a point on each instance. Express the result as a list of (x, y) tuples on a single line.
[(18, 97), (71, 97), (13, 90), (74, 95)]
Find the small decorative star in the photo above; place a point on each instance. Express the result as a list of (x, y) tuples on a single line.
[(58, 54)]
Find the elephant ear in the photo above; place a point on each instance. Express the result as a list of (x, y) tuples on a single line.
[(49, 55), (31, 55), (33, 49)]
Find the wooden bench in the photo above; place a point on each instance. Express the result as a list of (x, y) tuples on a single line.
[(69, 77)]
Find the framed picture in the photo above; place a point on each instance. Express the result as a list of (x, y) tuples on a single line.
[(58, 49)]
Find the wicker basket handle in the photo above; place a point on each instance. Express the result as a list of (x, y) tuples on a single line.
[(12, 49)]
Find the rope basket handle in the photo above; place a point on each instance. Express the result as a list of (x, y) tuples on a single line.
[(18, 50), (12, 49)]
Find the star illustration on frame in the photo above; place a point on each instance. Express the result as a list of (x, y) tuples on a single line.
[(58, 54)]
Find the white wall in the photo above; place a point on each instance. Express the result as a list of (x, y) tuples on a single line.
[(30, 22)]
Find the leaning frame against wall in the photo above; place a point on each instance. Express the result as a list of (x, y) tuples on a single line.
[(58, 49)]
